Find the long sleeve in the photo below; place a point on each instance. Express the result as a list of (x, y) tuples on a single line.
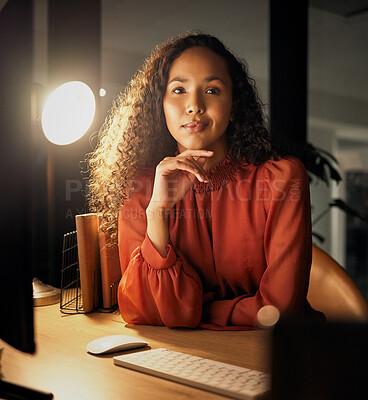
[(284, 192), (154, 290)]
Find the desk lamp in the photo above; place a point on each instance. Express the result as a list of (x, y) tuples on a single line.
[(67, 115)]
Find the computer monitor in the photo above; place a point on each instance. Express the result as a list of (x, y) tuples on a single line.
[(16, 272), (16, 305), (319, 360)]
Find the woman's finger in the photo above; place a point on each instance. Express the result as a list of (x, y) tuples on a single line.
[(169, 167), (202, 161), (196, 153), (197, 165)]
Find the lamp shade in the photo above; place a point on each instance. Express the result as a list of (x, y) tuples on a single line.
[(68, 112)]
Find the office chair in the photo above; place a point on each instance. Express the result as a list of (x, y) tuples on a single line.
[(333, 292)]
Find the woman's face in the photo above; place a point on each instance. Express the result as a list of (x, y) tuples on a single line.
[(198, 100)]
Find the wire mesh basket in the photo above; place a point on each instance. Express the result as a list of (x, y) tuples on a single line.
[(71, 294), (71, 299)]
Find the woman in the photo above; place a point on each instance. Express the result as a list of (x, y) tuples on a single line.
[(212, 223)]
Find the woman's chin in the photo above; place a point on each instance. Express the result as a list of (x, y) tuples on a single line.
[(192, 146)]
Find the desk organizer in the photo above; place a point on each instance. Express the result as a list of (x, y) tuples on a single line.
[(90, 271), (71, 294)]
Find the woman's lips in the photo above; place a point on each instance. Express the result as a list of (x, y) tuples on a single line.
[(195, 126)]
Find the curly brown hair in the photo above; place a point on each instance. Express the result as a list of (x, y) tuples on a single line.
[(135, 134)]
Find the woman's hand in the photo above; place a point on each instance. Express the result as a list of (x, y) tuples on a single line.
[(175, 176)]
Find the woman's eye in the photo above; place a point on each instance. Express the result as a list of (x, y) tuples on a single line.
[(213, 91), (178, 90)]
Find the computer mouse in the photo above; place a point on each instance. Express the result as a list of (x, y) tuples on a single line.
[(114, 343)]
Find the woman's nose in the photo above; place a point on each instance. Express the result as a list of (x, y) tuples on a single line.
[(195, 105)]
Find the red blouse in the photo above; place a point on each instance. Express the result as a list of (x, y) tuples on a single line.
[(237, 243)]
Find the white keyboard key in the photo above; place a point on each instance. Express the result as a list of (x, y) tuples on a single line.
[(213, 376)]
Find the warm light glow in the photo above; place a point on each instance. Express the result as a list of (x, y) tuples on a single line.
[(102, 92), (268, 316), (68, 112)]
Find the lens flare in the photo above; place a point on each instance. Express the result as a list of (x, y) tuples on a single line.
[(268, 316)]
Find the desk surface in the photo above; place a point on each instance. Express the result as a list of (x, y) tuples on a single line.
[(62, 366)]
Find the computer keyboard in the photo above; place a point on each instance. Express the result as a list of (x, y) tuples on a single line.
[(213, 376)]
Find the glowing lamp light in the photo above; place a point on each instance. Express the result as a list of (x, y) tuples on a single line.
[(68, 113)]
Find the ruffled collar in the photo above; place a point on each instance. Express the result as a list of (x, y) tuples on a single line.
[(219, 176)]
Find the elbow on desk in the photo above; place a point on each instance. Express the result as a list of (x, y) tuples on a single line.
[(175, 322), (180, 316), (183, 321)]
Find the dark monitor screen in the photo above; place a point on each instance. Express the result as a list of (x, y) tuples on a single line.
[(319, 361), (16, 305)]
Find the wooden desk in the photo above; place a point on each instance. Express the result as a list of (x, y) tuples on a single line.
[(63, 366)]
